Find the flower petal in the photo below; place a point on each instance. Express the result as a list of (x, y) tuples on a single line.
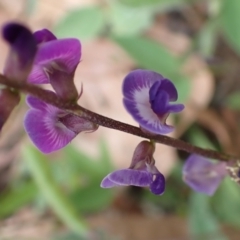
[(45, 131), (44, 35), (36, 103), (158, 185), (138, 82), (203, 175), (23, 48), (107, 183), (168, 86), (65, 53), (146, 118), (175, 108), (142, 154), (133, 177)]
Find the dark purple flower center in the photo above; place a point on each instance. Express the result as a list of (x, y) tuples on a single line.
[(159, 98), (158, 185)]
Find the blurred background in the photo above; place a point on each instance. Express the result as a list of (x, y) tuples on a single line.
[(195, 43)]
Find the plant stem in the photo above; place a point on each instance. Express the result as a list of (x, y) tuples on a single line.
[(74, 108)]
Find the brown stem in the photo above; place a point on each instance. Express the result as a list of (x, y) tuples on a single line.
[(74, 108)]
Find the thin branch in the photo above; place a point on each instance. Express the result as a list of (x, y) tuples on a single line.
[(74, 108)]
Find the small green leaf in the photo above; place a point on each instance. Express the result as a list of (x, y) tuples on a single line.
[(202, 223), (153, 56), (226, 202), (128, 21), (233, 101), (84, 23), (83, 198), (162, 4), (198, 138), (206, 38), (229, 21), (41, 173), (17, 197)]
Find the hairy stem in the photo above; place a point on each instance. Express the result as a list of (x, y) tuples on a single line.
[(74, 108)]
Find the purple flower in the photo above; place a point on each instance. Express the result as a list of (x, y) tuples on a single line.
[(23, 48), (142, 171), (147, 97), (50, 128), (202, 175), (55, 63)]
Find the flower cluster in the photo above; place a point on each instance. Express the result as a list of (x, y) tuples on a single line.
[(41, 58)]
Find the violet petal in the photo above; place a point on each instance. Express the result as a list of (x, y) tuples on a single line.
[(133, 177), (137, 83), (45, 131), (159, 103), (44, 35), (158, 185), (65, 53), (146, 118), (169, 87), (107, 183), (203, 175), (23, 48)]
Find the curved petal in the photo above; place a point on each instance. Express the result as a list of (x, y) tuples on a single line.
[(169, 87), (65, 53), (23, 48), (146, 118), (34, 102), (137, 83), (203, 175), (175, 108), (44, 35), (133, 177), (158, 185), (107, 183), (45, 131), (160, 103)]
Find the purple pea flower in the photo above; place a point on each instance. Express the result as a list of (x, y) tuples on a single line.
[(55, 63), (202, 175), (142, 171), (50, 128), (147, 97)]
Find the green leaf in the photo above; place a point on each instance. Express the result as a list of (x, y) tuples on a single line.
[(162, 4), (226, 202), (233, 101), (83, 198), (202, 223), (41, 173), (229, 21), (198, 138), (83, 164), (84, 23), (153, 56), (206, 38), (17, 197), (128, 21)]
